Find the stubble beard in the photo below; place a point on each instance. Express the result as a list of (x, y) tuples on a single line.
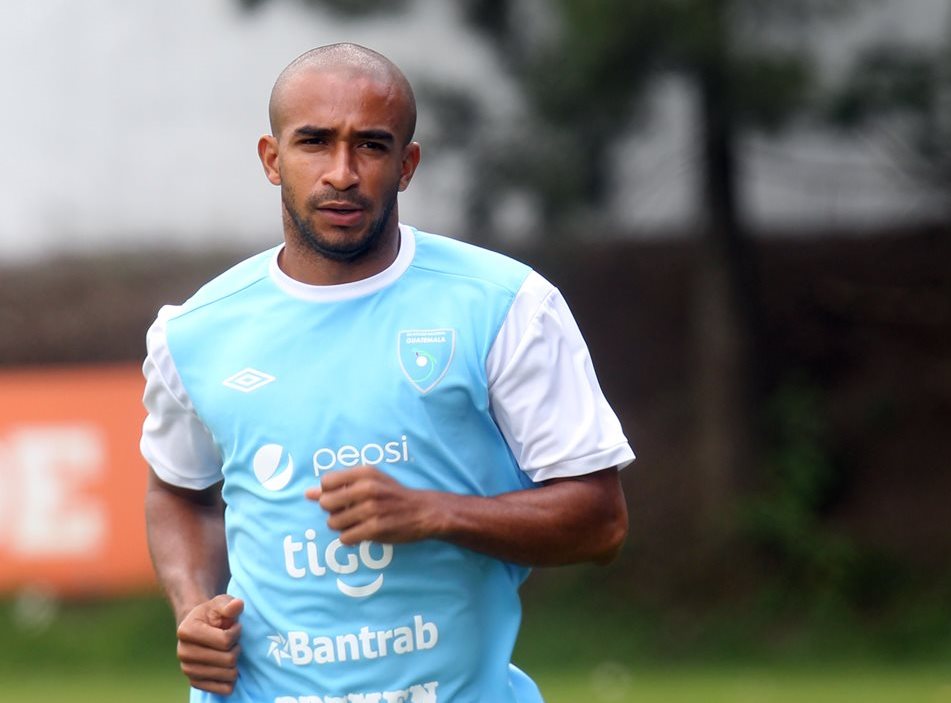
[(343, 250)]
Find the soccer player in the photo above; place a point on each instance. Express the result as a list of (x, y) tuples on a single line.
[(361, 440)]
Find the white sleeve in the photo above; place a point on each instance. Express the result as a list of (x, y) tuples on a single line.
[(544, 393), (174, 442)]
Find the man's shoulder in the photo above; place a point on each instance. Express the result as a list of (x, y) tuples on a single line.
[(452, 257), (225, 285)]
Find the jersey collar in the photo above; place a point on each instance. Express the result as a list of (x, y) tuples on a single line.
[(347, 291)]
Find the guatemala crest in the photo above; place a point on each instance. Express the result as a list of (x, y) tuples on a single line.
[(425, 356)]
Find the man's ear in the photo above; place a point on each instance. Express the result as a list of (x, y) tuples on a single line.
[(411, 156), (267, 152)]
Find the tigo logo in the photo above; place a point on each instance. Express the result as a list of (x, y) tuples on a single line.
[(339, 559), (271, 468), (248, 380)]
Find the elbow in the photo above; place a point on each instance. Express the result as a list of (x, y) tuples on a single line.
[(614, 534)]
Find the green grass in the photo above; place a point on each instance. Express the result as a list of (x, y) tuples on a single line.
[(728, 685), (607, 684), (123, 652), (94, 687)]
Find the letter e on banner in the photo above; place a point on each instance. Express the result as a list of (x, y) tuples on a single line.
[(72, 481), (55, 466)]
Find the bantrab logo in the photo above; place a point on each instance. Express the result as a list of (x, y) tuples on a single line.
[(279, 648), (425, 356)]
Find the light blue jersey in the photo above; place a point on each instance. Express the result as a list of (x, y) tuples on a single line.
[(455, 369), (291, 389)]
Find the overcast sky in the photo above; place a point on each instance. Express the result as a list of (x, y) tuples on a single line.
[(135, 123)]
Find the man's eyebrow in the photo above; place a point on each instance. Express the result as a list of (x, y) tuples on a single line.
[(380, 135), (308, 131)]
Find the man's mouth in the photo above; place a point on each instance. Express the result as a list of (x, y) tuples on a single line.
[(344, 214)]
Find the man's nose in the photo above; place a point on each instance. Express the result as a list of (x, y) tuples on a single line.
[(342, 173)]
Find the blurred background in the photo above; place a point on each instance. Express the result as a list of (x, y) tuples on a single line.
[(745, 202)]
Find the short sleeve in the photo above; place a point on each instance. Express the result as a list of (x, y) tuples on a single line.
[(544, 394), (175, 442)]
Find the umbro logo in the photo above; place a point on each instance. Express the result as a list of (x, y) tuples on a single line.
[(248, 380)]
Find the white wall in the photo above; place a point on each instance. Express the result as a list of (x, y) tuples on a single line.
[(124, 121)]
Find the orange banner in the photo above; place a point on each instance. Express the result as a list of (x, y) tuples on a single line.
[(72, 482)]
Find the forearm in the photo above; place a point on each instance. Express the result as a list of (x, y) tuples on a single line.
[(563, 522), (187, 543)]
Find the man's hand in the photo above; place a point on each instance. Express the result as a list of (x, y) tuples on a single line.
[(563, 521), (366, 504), (208, 644)]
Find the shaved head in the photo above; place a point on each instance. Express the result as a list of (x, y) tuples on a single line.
[(348, 59)]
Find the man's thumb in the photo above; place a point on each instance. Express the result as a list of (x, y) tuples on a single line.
[(224, 609)]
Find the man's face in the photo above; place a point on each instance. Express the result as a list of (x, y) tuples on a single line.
[(340, 157)]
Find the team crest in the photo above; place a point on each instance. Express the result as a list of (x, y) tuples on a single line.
[(425, 356)]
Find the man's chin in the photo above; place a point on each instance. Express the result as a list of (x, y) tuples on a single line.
[(343, 255), (338, 246)]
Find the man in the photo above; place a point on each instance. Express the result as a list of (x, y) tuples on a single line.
[(361, 440)]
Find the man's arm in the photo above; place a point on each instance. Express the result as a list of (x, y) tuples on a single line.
[(563, 521), (186, 539)]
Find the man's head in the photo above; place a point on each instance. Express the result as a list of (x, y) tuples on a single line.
[(342, 122), (350, 59)]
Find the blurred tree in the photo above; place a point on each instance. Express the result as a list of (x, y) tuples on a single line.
[(904, 94), (745, 79), (585, 68)]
